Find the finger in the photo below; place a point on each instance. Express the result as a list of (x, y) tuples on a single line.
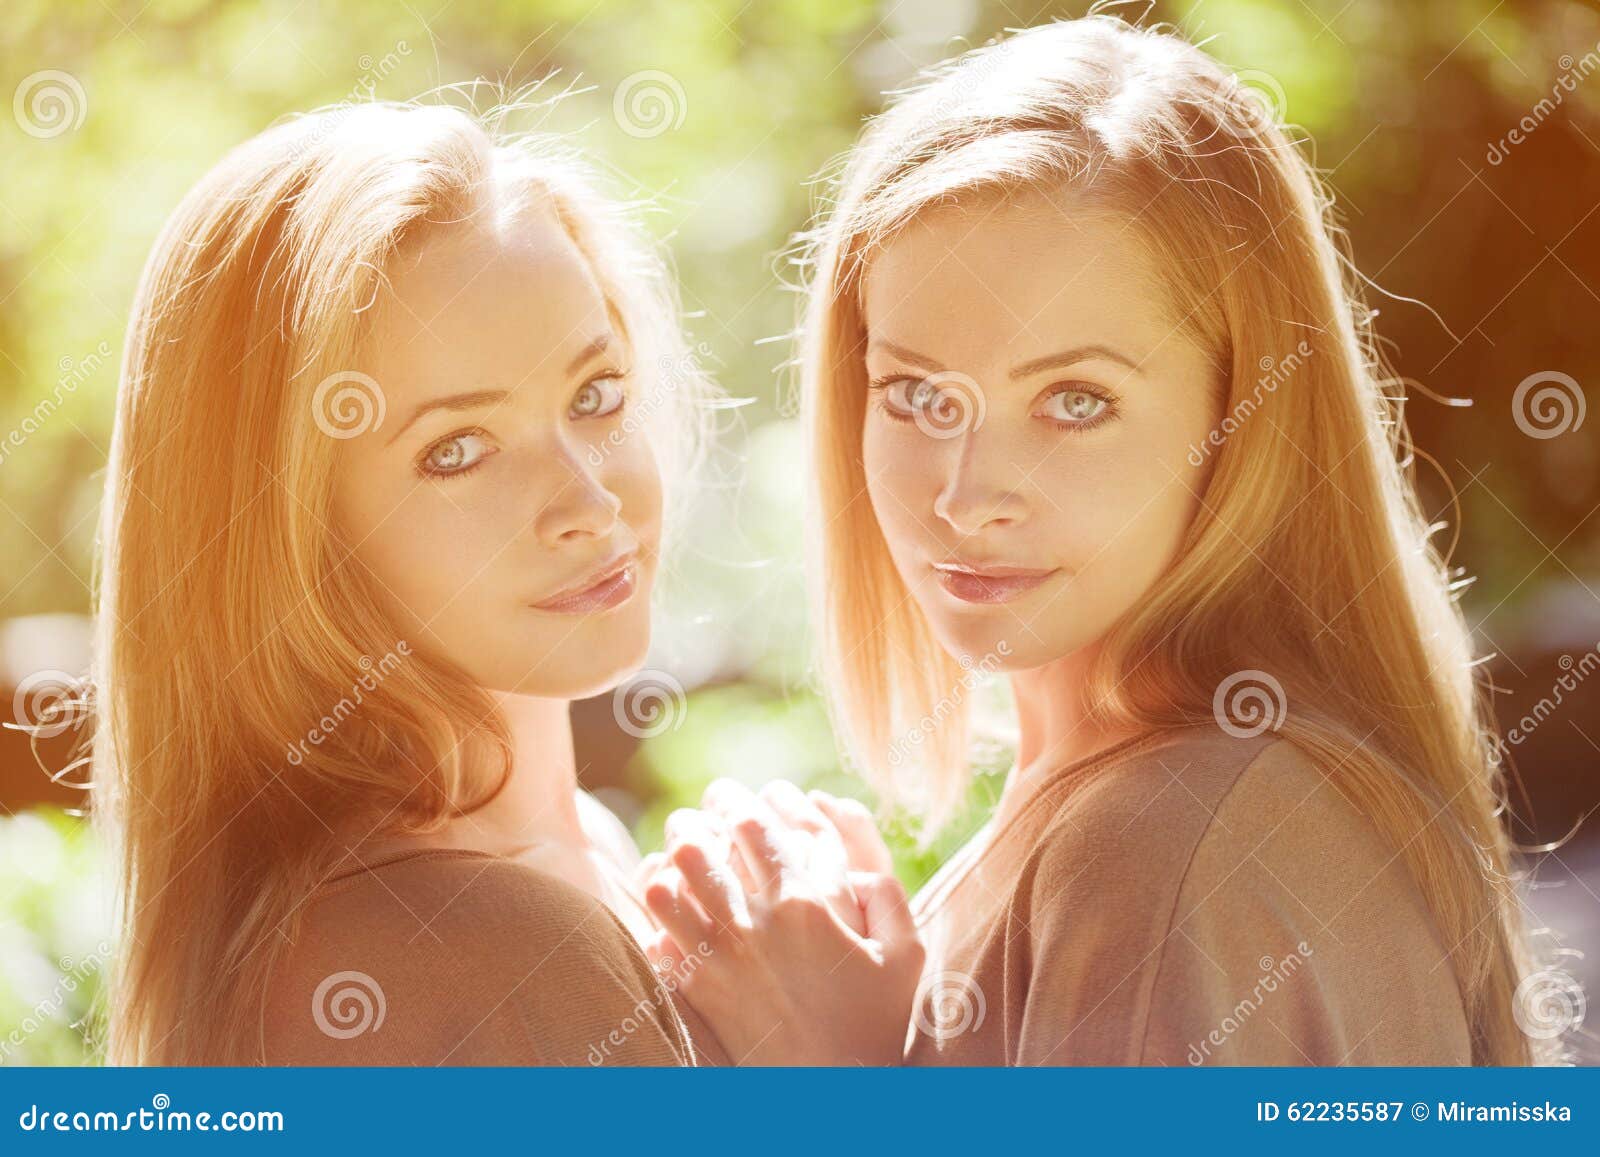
[(690, 825), (771, 860), (711, 884), (862, 841), (668, 901), (887, 910), (817, 842), (727, 798), (741, 869), (794, 808)]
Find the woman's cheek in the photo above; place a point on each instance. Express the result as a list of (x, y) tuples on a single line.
[(629, 470)]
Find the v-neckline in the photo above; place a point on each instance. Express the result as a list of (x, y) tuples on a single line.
[(932, 896)]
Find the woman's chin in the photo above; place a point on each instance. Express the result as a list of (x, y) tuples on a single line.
[(582, 666)]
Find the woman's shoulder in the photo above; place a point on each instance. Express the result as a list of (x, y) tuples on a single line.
[(1173, 782), (1212, 869), (1189, 805), (458, 957)]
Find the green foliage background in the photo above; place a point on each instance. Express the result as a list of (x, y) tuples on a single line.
[(1401, 101)]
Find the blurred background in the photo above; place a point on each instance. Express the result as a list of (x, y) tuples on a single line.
[(1462, 138)]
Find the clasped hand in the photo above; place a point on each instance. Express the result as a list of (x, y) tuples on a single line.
[(813, 954)]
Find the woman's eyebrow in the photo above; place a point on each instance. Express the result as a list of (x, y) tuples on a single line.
[(594, 349), (1048, 362), (475, 398), (467, 401), (1069, 357), (911, 357)]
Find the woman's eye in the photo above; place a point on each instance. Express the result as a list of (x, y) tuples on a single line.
[(456, 454), (908, 395), (1076, 407), (598, 398)]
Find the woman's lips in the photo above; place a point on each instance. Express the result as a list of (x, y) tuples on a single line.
[(611, 588), (998, 584)]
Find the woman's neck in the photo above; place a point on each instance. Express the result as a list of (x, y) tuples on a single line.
[(537, 806), (539, 802), (1055, 727)]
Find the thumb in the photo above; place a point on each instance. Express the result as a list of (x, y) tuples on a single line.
[(887, 911)]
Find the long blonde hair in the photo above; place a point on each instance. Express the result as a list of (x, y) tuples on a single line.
[(229, 623), (1310, 558)]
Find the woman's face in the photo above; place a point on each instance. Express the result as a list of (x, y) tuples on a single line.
[(513, 525), (1028, 426)]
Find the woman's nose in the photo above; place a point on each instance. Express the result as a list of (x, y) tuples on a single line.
[(579, 505), (981, 489)]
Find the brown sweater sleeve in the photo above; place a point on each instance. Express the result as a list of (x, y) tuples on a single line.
[(467, 960), (1247, 918)]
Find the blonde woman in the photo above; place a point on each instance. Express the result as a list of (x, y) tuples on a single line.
[(1093, 402), (384, 496)]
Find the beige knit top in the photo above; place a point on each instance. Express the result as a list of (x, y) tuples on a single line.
[(459, 957), (1183, 898)]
